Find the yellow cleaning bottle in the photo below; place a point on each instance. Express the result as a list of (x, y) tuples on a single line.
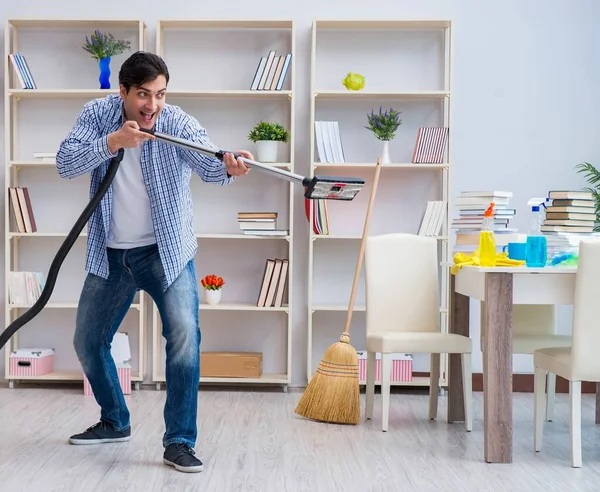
[(487, 240)]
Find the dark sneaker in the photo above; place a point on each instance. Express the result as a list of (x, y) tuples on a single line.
[(181, 456), (100, 433)]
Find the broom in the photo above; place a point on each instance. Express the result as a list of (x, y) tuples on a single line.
[(332, 394)]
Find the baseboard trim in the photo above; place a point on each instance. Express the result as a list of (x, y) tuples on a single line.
[(523, 383)]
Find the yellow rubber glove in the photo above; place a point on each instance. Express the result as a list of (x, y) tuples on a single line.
[(461, 259)]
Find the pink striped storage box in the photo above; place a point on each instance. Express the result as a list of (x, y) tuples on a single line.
[(124, 372), (31, 362), (402, 367)]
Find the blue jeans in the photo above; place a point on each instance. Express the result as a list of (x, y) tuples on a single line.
[(102, 307)]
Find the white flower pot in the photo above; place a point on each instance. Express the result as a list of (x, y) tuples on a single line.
[(212, 296), (267, 150), (385, 154)]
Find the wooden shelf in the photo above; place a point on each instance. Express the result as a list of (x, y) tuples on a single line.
[(418, 85), (225, 24), (77, 23), (381, 24), (62, 376), (242, 306), (63, 305), (366, 94), (18, 124), (406, 165), (173, 40)]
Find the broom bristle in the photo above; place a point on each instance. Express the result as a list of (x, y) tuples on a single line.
[(333, 393)]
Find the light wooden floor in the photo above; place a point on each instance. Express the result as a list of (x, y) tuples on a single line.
[(253, 442)]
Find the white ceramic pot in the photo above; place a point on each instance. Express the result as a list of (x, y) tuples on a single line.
[(267, 150), (385, 154), (212, 296)]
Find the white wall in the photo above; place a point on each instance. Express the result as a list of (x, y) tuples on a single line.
[(524, 111)]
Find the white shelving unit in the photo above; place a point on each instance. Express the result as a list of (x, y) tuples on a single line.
[(212, 64), (36, 120), (406, 65)]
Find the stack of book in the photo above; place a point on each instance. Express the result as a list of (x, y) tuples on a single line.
[(570, 211), (260, 224), (471, 206), (570, 217)]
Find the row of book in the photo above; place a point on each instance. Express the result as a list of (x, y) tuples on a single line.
[(433, 218), (22, 210), (22, 70), (273, 283), (328, 142), (271, 72), (320, 220), (260, 224), (25, 288), (430, 144)]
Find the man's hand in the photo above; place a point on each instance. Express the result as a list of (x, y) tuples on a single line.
[(128, 136), (237, 167)]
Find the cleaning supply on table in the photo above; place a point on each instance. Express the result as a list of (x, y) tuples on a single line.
[(487, 240), (536, 248), (472, 259)]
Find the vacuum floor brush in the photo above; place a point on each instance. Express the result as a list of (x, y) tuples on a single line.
[(318, 187)]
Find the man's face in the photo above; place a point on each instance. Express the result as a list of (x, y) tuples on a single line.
[(144, 103)]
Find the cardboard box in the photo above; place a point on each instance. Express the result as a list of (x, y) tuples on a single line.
[(231, 364), (121, 354), (402, 367), (31, 361)]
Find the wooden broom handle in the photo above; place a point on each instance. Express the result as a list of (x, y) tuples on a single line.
[(363, 244)]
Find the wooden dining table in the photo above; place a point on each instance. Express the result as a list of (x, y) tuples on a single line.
[(498, 289)]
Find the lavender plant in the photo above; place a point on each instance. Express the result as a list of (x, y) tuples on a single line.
[(384, 124), (102, 45)]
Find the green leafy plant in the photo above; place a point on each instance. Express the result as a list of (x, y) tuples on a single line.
[(265, 130), (103, 45), (384, 124), (592, 175)]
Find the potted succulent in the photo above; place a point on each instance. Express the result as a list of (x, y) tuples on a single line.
[(267, 136), (103, 46), (212, 288), (384, 126)]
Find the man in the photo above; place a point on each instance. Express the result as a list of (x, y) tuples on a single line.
[(141, 237)]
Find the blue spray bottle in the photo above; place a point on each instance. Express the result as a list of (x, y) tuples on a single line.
[(536, 248)]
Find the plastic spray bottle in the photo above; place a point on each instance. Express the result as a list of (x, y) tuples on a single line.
[(536, 248), (487, 240)]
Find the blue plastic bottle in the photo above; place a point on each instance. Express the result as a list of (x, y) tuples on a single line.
[(536, 249)]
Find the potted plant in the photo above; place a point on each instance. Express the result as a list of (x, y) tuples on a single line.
[(592, 176), (212, 288), (266, 136), (103, 46), (384, 126)]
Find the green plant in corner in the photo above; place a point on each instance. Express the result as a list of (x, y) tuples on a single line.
[(265, 130), (592, 175)]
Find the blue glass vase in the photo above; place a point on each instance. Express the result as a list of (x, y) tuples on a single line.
[(104, 65)]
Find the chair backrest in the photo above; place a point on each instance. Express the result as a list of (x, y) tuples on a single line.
[(401, 283), (586, 327)]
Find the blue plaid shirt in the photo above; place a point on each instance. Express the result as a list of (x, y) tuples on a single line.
[(166, 170)]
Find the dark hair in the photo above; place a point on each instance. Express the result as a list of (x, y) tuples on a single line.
[(142, 67)]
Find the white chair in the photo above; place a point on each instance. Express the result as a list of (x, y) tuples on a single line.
[(403, 315), (534, 327), (577, 363)]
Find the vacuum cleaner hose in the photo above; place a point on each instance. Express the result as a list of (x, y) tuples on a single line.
[(60, 256)]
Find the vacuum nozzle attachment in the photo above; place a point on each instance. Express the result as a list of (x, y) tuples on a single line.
[(316, 188)]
